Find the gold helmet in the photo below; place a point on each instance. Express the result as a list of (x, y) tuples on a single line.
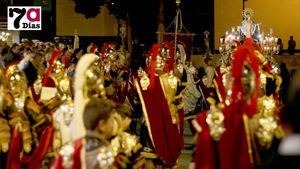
[(110, 56), (163, 57), (155, 57), (109, 51), (62, 82), (58, 67), (248, 81), (94, 86), (16, 80)]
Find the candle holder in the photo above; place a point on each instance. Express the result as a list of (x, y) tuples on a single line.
[(229, 42), (269, 46)]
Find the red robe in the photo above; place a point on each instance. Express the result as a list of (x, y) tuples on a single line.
[(33, 161), (166, 137), (76, 157), (231, 152)]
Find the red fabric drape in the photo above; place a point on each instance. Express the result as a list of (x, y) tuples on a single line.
[(205, 158), (13, 158), (66, 60), (58, 163), (34, 161), (185, 39), (233, 148), (240, 57), (168, 141), (231, 152), (77, 156), (47, 81), (77, 164)]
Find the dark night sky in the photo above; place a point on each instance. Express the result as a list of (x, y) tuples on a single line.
[(197, 17)]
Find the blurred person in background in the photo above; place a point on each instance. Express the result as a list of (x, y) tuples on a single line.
[(285, 75), (288, 154), (292, 46), (280, 44)]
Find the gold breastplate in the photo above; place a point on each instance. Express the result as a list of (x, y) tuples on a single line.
[(62, 83), (169, 85)]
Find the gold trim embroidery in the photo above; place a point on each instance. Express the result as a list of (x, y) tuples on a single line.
[(247, 130)]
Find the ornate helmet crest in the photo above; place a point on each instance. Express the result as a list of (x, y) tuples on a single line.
[(86, 78)]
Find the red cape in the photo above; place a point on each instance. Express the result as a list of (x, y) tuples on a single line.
[(33, 161), (167, 140), (231, 152)]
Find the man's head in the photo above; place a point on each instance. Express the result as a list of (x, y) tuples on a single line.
[(56, 39), (136, 40), (125, 112), (15, 49), (38, 57), (291, 37), (98, 117)]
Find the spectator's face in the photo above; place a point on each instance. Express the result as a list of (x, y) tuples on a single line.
[(16, 49), (105, 128), (38, 59)]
